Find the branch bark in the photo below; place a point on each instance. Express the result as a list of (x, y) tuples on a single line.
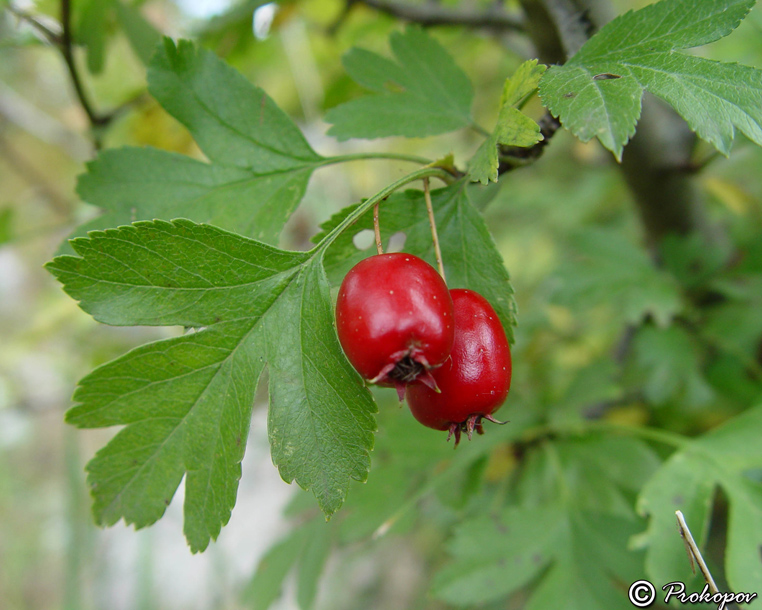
[(64, 42), (655, 161), (494, 18)]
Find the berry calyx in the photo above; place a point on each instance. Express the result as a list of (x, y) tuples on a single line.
[(475, 379), (394, 319)]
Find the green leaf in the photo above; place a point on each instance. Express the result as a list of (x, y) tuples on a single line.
[(513, 127), (91, 29), (186, 402), (142, 36), (306, 548), (606, 269), (671, 361), (6, 224), (234, 122), (94, 18), (494, 556), (273, 568), (687, 481), (258, 155), (312, 562), (569, 533), (144, 183), (470, 256), (422, 93), (598, 92)]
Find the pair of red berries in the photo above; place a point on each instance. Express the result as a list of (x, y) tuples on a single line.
[(445, 350)]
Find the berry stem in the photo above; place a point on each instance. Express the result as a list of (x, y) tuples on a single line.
[(432, 222), (377, 229), (424, 172)]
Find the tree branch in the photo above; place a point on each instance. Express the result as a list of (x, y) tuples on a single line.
[(656, 160), (46, 31), (66, 47), (64, 42), (513, 157), (494, 18)]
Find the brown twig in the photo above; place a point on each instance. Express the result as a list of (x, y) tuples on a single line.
[(64, 42), (512, 157), (377, 230), (495, 18), (66, 46), (47, 33)]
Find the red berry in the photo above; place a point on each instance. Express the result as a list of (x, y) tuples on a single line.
[(394, 319), (474, 381)]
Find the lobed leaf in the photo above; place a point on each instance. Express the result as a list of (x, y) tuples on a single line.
[(513, 127), (598, 92), (608, 270), (94, 20), (423, 92), (687, 481), (141, 35), (185, 403), (568, 532), (671, 362), (258, 155)]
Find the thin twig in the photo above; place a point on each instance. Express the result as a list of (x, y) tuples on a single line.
[(377, 230), (64, 42), (512, 157), (432, 222), (66, 47), (47, 33), (429, 14), (693, 551)]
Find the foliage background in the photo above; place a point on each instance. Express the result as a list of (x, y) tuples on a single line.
[(554, 222)]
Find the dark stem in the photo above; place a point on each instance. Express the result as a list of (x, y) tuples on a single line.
[(49, 35), (512, 157), (494, 18), (66, 47)]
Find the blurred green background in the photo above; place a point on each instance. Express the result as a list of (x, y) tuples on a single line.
[(554, 223)]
